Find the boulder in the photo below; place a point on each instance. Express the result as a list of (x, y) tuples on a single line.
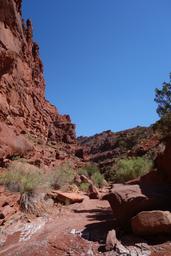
[(151, 223), (65, 197), (128, 200)]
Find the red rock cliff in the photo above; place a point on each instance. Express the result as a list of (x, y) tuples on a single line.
[(22, 86)]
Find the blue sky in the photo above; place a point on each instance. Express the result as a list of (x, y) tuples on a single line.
[(103, 58)]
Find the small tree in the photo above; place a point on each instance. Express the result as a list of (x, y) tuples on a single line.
[(163, 98)]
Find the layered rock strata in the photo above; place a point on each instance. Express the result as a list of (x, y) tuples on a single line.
[(23, 107), (104, 148)]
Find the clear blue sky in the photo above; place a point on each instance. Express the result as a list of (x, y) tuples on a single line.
[(103, 58)]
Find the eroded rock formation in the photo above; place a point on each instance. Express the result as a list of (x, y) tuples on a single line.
[(23, 107)]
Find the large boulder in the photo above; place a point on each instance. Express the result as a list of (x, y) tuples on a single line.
[(151, 222), (65, 197), (128, 200)]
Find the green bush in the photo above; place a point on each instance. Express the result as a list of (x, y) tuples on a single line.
[(98, 179), (22, 177), (88, 170), (93, 173), (131, 168), (61, 176), (84, 186), (110, 174), (83, 171)]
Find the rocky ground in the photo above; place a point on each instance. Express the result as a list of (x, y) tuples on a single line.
[(77, 229)]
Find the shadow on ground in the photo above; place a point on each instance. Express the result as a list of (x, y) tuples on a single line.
[(102, 221)]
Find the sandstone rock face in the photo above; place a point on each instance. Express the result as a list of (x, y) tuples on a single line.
[(151, 222), (22, 87), (9, 204), (12, 144), (128, 200)]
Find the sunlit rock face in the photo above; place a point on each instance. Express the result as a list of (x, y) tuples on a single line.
[(23, 106)]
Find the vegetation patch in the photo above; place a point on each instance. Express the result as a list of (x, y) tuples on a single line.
[(61, 176), (84, 186), (93, 173), (131, 168), (23, 177)]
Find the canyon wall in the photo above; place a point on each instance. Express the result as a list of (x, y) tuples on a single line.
[(23, 107)]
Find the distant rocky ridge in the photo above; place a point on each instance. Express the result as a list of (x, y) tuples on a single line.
[(104, 148), (24, 111)]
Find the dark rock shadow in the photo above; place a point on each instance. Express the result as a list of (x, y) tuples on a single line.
[(97, 214), (102, 222)]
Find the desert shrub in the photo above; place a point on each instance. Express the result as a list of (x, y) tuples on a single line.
[(33, 203), (93, 173), (88, 170), (110, 174), (83, 171), (131, 168), (22, 177), (84, 186), (29, 181), (61, 176), (98, 179)]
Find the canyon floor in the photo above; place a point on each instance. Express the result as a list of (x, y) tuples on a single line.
[(79, 229)]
